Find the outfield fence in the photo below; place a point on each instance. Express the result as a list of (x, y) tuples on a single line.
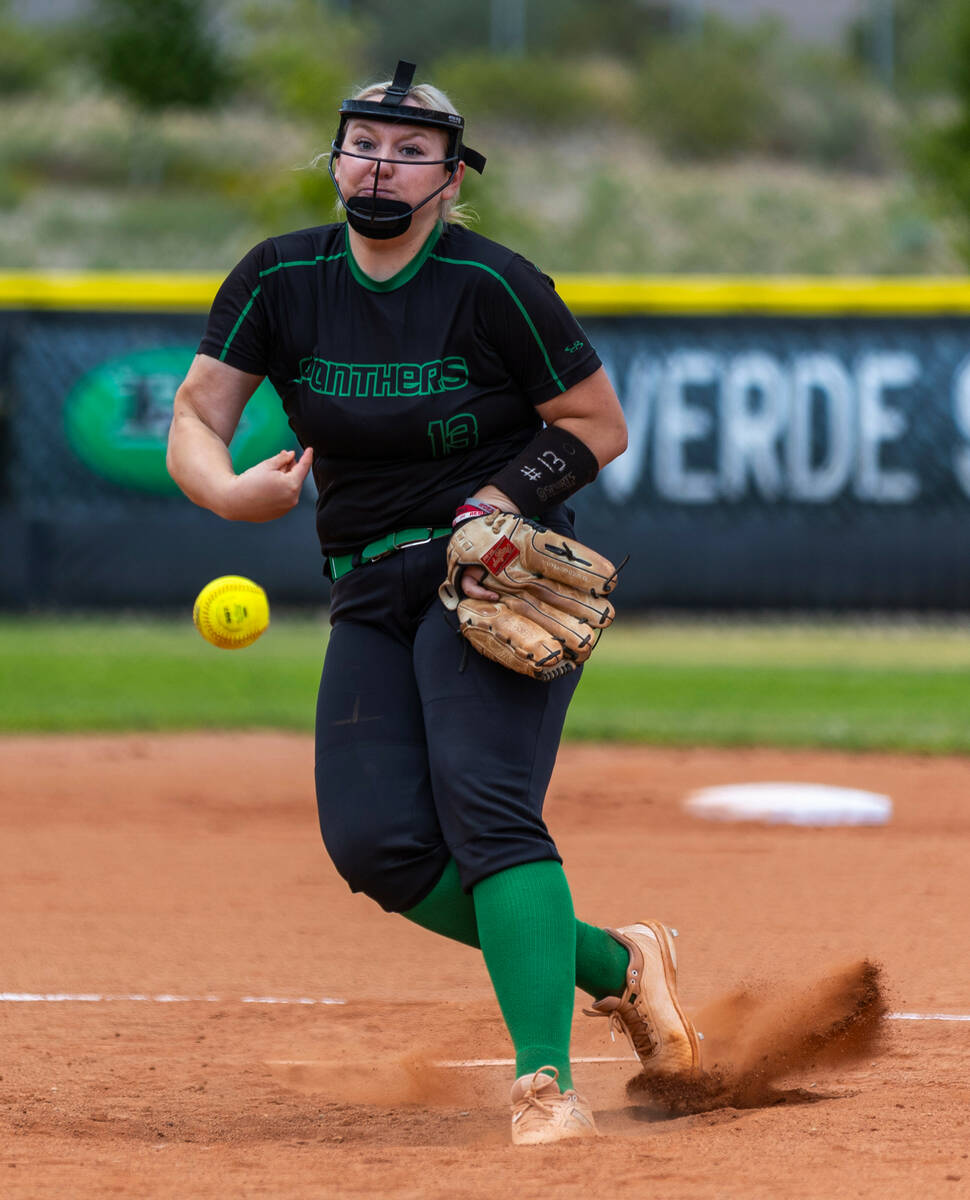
[(795, 444)]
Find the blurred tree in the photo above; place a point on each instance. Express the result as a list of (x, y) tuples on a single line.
[(939, 144), (619, 28), (25, 62), (717, 90), (422, 31), (828, 110), (707, 95), (425, 30), (538, 92), (158, 53), (908, 43), (300, 57)]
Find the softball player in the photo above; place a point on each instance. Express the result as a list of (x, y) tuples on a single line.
[(425, 369)]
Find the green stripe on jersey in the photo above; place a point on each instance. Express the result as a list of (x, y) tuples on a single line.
[(406, 273), (235, 328), (459, 262), (296, 262)]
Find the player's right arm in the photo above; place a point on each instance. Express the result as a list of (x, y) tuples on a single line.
[(207, 408)]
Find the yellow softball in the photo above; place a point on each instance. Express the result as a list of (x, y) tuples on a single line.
[(231, 612)]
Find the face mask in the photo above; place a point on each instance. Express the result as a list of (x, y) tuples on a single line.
[(375, 216)]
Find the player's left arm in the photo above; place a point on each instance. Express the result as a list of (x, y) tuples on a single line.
[(589, 410)]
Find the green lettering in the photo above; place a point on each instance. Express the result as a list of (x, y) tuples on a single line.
[(409, 379), (462, 431), (459, 432), (436, 432), (365, 378), (385, 382), (384, 379), (431, 378), (454, 372), (339, 378)]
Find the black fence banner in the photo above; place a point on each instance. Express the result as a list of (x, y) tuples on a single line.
[(789, 463), (801, 446)]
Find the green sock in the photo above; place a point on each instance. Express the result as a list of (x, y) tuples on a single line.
[(601, 962), (447, 909), (528, 936)]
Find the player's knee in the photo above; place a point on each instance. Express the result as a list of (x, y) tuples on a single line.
[(352, 852), (394, 876)]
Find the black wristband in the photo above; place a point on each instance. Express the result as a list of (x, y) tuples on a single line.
[(553, 466)]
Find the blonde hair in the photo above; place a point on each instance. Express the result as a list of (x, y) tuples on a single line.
[(426, 95)]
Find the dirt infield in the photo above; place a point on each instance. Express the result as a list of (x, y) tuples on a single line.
[(178, 883)]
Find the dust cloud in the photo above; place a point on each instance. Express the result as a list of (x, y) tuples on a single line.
[(758, 1036)]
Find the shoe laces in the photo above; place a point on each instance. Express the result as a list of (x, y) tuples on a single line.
[(635, 1027), (531, 1099), (627, 1018)]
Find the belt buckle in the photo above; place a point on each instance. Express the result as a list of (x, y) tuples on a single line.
[(402, 545), (417, 541)]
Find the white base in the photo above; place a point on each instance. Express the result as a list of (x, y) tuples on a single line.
[(790, 804)]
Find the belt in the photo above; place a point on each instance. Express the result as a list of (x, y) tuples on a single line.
[(340, 564)]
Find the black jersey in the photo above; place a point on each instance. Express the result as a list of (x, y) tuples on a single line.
[(413, 391)]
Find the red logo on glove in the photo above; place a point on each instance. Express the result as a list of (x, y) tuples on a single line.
[(500, 555)]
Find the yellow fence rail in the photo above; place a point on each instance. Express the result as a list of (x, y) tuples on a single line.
[(588, 295)]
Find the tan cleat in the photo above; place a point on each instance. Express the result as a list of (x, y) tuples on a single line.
[(648, 1012), (541, 1113)]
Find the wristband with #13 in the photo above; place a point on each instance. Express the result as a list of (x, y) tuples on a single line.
[(551, 468)]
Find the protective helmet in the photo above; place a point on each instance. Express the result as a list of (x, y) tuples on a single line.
[(376, 216)]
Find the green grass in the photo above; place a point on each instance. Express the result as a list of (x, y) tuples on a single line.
[(890, 686), (76, 673), (851, 708)]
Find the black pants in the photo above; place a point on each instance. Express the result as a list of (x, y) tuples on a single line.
[(425, 750)]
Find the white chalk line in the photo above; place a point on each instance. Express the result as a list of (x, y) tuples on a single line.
[(160, 998), (450, 1063), (928, 1016), (171, 998)]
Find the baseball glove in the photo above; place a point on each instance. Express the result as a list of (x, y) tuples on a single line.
[(551, 607)]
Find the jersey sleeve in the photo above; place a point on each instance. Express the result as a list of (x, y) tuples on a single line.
[(541, 343), (237, 331)]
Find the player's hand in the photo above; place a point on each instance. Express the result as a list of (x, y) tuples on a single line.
[(471, 584), (268, 490), (472, 578)]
